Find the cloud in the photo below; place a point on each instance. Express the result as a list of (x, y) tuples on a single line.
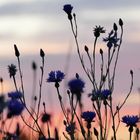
[(44, 7), (31, 8)]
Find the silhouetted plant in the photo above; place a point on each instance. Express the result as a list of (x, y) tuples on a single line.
[(78, 123)]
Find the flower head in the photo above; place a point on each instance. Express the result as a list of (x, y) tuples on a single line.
[(15, 95), (68, 8), (105, 93), (102, 95), (70, 128), (76, 85), (12, 70), (88, 116), (98, 30), (15, 107), (130, 120), (45, 117), (112, 39), (56, 76)]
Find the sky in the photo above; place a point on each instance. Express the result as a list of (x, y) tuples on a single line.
[(35, 24)]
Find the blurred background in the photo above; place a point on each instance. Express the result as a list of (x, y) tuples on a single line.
[(35, 24)]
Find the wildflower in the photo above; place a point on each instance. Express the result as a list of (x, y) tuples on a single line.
[(98, 30), (112, 39), (105, 93), (130, 120), (56, 76), (88, 116), (45, 117), (12, 70), (76, 85), (15, 107), (68, 9), (70, 128), (100, 95), (15, 95)]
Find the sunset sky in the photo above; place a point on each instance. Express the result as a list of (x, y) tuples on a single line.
[(35, 24)]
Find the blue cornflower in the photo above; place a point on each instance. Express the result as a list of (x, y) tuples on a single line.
[(68, 8), (76, 85), (56, 76), (102, 95), (15, 107), (130, 120), (112, 39), (71, 128), (105, 93), (88, 116), (15, 95)]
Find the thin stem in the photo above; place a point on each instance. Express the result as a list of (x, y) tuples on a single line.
[(131, 86), (102, 69), (15, 83), (117, 56), (40, 85), (113, 119), (21, 79), (33, 102), (81, 127), (109, 80), (28, 124), (130, 136), (94, 49), (97, 137), (61, 104), (105, 121), (49, 136), (88, 135), (78, 51), (22, 101), (118, 121), (100, 120)]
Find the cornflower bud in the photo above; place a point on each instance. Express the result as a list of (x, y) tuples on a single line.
[(17, 54), (86, 48), (115, 27), (42, 54), (120, 22)]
